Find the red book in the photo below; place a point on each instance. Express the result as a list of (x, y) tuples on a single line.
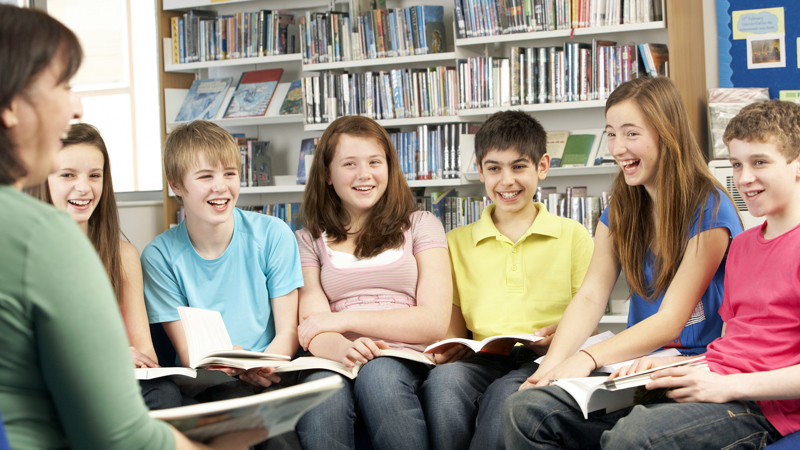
[(253, 94)]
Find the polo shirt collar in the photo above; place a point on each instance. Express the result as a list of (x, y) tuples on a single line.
[(545, 224)]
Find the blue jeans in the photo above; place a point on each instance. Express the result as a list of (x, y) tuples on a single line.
[(463, 400), (548, 417), (385, 395)]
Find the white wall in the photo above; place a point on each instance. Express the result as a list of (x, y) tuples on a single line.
[(141, 221)]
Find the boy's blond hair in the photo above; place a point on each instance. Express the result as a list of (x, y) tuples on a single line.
[(186, 143), (771, 122)]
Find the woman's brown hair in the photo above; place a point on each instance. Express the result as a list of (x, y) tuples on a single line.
[(104, 231), (30, 40), (683, 185), (322, 209)]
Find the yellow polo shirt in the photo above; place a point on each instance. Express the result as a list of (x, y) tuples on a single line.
[(504, 287)]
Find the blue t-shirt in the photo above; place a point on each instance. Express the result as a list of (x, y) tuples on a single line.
[(705, 324), (260, 263)]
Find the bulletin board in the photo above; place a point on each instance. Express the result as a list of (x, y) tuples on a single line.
[(758, 44)]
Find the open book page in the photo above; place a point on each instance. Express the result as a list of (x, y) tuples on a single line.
[(656, 354), (500, 345), (642, 378), (149, 373), (277, 411), (314, 362), (597, 338), (209, 343)]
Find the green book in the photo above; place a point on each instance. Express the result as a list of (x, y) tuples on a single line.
[(577, 150)]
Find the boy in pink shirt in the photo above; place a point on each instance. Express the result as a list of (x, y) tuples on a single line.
[(751, 395)]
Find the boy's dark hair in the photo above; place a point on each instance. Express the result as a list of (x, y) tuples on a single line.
[(511, 130), (772, 122)]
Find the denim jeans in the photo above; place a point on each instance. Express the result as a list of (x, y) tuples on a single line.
[(548, 417), (385, 395), (160, 393), (463, 400)]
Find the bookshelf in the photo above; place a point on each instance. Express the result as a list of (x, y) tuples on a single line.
[(681, 31)]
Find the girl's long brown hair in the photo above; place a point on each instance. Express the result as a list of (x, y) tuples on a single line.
[(683, 184), (104, 231), (322, 209)]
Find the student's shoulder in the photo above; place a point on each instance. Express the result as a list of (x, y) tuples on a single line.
[(425, 220), (462, 237), (168, 244), (260, 223)]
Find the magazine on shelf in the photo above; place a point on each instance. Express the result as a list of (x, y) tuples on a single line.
[(210, 345), (254, 93), (278, 411), (204, 99)]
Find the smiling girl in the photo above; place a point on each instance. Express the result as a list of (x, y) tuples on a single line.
[(377, 276), (668, 227), (82, 187)]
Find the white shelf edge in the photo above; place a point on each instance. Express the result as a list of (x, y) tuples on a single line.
[(538, 35), (449, 56), (435, 183), (614, 318), (582, 171), (560, 106), (250, 121), (191, 67), (397, 122)]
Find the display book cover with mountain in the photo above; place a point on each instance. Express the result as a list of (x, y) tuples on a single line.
[(254, 93), (203, 99)]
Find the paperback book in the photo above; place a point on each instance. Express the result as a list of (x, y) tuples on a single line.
[(210, 345), (293, 102), (498, 345), (278, 411), (315, 363)]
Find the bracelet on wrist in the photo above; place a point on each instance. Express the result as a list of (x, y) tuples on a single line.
[(590, 356)]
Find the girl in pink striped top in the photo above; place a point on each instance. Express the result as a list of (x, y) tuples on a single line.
[(377, 276)]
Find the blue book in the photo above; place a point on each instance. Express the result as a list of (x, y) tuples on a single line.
[(254, 93), (204, 99)]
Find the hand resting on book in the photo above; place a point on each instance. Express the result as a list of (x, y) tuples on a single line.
[(646, 363), (693, 384), (361, 350), (540, 347), (455, 353), (140, 360)]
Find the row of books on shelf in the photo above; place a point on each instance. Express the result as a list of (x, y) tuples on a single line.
[(574, 204), (202, 35), (393, 94), (573, 72), (334, 36), (476, 18), (433, 152), (216, 98), (453, 211)]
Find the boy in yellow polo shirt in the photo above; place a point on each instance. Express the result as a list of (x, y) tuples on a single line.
[(514, 272)]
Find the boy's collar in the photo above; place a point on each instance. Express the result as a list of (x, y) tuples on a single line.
[(545, 224)]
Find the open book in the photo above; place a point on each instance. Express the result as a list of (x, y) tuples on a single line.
[(277, 411), (595, 393), (210, 345), (314, 362), (499, 345)]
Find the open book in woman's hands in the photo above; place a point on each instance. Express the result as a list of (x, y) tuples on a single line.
[(210, 345), (499, 345)]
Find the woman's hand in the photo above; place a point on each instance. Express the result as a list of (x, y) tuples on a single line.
[(232, 371), (455, 353), (692, 384), (646, 363), (362, 350), (140, 360), (260, 377), (317, 323), (577, 365)]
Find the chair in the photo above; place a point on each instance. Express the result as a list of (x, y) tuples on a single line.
[(789, 442)]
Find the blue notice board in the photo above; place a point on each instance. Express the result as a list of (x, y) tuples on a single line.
[(733, 53)]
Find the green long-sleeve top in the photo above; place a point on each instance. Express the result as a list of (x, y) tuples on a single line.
[(66, 377)]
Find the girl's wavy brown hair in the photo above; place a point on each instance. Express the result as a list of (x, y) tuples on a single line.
[(322, 210), (683, 183), (104, 228)]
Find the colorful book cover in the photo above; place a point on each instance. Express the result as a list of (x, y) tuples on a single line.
[(435, 37), (293, 103), (254, 93), (204, 99), (307, 147), (577, 150)]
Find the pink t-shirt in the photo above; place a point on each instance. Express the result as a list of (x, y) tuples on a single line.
[(388, 286), (761, 308)]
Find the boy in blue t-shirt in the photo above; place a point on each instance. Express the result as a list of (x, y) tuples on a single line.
[(244, 265)]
